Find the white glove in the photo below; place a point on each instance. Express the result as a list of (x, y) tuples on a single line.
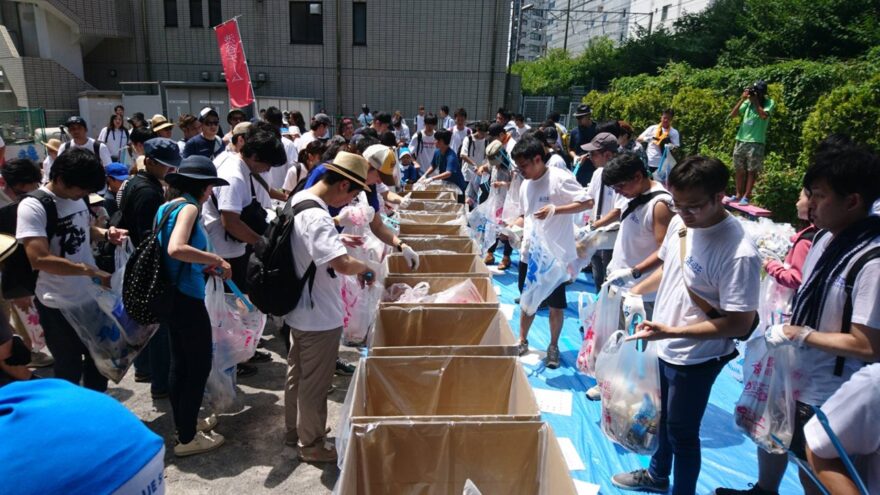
[(412, 257), (633, 309), (404, 203), (775, 336), (620, 277)]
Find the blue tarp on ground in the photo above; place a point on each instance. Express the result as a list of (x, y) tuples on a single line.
[(729, 457)]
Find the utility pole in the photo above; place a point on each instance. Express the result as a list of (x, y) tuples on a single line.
[(650, 22), (567, 18), (518, 32)]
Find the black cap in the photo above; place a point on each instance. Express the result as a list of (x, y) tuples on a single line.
[(164, 151), (583, 111), (196, 167), (75, 120), (205, 112), (495, 129), (383, 117), (234, 111), (760, 86), (550, 134)]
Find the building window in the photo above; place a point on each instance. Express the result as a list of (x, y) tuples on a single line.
[(195, 14), (664, 13), (215, 13), (170, 13), (359, 23), (306, 23)]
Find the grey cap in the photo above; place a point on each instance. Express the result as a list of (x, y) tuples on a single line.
[(604, 141), (323, 118)]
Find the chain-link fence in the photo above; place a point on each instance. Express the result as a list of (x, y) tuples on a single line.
[(24, 132)]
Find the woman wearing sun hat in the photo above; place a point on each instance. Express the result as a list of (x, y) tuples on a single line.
[(186, 259)]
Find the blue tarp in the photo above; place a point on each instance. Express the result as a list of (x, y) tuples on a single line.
[(729, 457)]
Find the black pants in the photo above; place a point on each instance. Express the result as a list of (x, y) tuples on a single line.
[(556, 299), (191, 345), (508, 249), (72, 359)]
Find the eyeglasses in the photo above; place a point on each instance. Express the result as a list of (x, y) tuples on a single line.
[(620, 185), (212, 122), (690, 210)]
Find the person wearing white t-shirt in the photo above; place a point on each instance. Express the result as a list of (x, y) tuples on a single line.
[(606, 204), (420, 119), (115, 136), (446, 122), (77, 128), (473, 157), (423, 143), (659, 136), (63, 256), (276, 176), (841, 185), (643, 225), (319, 127), (52, 146), (548, 195), (852, 415), (316, 321), (459, 130), (721, 271), (520, 128)]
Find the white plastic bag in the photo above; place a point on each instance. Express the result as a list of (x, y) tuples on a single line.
[(483, 221), (765, 410), (545, 270), (235, 332), (588, 241), (112, 338), (774, 307), (122, 253), (30, 320), (630, 383), (603, 321), (361, 306), (512, 209), (464, 292), (667, 162)]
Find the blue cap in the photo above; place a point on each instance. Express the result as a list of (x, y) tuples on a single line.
[(164, 151), (403, 151), (117, 171)]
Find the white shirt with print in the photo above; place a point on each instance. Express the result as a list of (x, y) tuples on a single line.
[(233, 198), (424, 155), (90, 146)]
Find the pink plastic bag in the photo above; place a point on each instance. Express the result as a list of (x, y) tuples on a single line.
[(462, 293), (30, 320), (361, 306)]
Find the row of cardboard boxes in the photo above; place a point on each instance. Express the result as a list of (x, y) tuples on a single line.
[(442, 401)]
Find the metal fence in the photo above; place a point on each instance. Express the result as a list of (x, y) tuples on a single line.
[(22, 132)]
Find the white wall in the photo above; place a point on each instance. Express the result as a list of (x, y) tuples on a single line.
[(58, 42)]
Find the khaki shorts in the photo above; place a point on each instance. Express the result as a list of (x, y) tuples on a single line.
[(749, 156)]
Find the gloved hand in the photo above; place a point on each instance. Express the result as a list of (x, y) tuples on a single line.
[(405, 202), (633, 309), (781, 334), (412, 257), (620, 277)]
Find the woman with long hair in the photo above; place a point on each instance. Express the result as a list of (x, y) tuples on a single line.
[(115, 136)]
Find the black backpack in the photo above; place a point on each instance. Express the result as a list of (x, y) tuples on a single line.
[(146, 289), (273, 285), (19, 278), (96, 148)]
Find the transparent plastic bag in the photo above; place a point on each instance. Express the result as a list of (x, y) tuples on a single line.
[(361, 306), (603, 322), (483, 222), (545, 270), (667, 162), (111, 336), (30, 320), (630, 383), (121, 255), (774, 307), (512, 209), (464, 292), (765, 411), (588, 241), (406, 293), (772, 239)]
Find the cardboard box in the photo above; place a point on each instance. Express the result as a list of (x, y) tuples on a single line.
[(458, 244), (460, 330), (442, 282), (431, 218), (455, 265), (435, 195), (434, 186), (510, 457), (441, 388), (435, 207), (407, 229)]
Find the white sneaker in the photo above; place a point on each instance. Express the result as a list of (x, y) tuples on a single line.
[(594, 393), (207, 424), (201, 443)]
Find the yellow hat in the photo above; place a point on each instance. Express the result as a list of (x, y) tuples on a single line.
[(382, 158), (351, 166), (7, 246), (159, 122)]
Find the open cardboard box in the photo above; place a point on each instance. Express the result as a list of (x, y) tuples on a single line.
[(438, 265), (434, 186), (441, 330), (432, 218), (408, 229), (428, 206), (437, 283), (435, 195), (457, 244), (510, 458)]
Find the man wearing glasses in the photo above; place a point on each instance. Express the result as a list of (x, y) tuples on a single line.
[(207, 143), (707, 295)]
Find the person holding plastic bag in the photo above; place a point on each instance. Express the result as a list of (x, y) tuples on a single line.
[(707, 295), (60, 250), (186, 259), (606, 205), (501, 180), (548, 197), (643, 225)]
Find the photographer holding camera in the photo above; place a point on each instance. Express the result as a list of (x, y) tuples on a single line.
[(748, 154)]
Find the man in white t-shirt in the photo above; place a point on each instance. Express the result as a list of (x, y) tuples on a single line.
[(852, 415), (473, 156), (520, 128), (548, 195), (446, 122), (708, 262), (77, 128), (317, 319), (423, 143), (606, 204), (420, 119), (319, 126), (659, 136), (276, 175), (56, 234), (842, 183), (459, 130)]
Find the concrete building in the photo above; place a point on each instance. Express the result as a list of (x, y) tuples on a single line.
[(533, 40), (388, 54)]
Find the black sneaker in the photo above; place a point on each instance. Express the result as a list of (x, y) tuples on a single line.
[(639, 480), (260, 357), (522, 348), (243, 370), (753, 490), (552, 358), (143, 377), (343, 368), (516, 301)]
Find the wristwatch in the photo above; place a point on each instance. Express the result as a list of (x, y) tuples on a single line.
[(636, 273)]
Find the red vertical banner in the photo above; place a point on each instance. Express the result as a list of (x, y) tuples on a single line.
[(238, 79)]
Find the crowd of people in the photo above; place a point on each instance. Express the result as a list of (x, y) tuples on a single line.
[(689, 274)]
